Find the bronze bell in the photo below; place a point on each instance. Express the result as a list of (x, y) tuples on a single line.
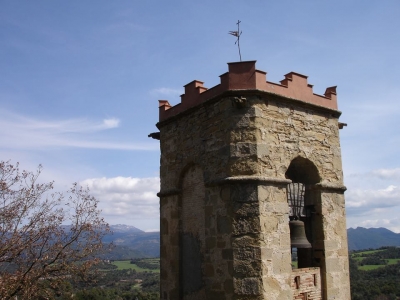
[(298, 237)]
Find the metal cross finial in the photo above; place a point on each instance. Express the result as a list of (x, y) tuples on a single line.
[(237, 33)]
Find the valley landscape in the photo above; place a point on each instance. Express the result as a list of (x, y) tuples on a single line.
[(131, 242), (134, 269), (131, 271)]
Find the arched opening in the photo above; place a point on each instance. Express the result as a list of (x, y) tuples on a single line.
[(303, 170), (304, 175), (191, 233)]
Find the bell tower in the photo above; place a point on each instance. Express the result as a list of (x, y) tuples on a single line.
[(239, 162)]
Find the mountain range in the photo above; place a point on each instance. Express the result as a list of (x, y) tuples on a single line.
[(131, 242), (371, 238)]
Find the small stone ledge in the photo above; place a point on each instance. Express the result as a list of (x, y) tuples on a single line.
[(249, 178), (310, 270), (330, 187), (170, 192), (257, 179)]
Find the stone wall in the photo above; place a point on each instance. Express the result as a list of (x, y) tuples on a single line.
[(223, 202)]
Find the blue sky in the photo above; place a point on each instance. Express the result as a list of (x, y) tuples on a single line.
[(80, 80)]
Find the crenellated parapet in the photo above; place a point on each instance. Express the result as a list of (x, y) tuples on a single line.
[(245, 76)]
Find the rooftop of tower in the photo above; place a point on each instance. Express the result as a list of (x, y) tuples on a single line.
[(245, 76)]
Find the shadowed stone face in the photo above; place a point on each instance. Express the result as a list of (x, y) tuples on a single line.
[(192, 277), (192, 237)]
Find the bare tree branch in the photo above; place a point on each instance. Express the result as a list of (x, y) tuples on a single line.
[(44, 239)]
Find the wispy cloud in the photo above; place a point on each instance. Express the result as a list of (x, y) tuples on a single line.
[(166, 92), (367, 199), (111, 123), (386, 173), (382, 174), (21, 132), (373, 199), (392, 224), (123, 199)]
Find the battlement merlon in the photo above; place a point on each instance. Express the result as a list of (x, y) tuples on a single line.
[(245, 76)]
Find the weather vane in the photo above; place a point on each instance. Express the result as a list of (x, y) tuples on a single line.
[(237, 33)]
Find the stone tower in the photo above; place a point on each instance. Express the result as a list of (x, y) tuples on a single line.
[(228, 154)]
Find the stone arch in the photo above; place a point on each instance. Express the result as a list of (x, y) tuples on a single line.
[(192, 231), (187, 166), (303, 170)]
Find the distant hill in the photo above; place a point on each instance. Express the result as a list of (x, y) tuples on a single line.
[(124, 228), (132, 242), (123, 253), (371, 238)]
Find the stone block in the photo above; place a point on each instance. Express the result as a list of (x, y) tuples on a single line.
[(247, 286), (244, 193), (262, 150), (214, 295), (242, 209), (333, 265), (174, 266), (245, 241), (246, 268), (224, 224), (269, 223), (331, 245), (228, 286), (227, 254), (174, 240), (164, 225), (163, 250), (211, 242), (245, 226), (163, 274), (174, 294), (209, 270), (216, 285), (221, 244), (243, 149), (226, 194)]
